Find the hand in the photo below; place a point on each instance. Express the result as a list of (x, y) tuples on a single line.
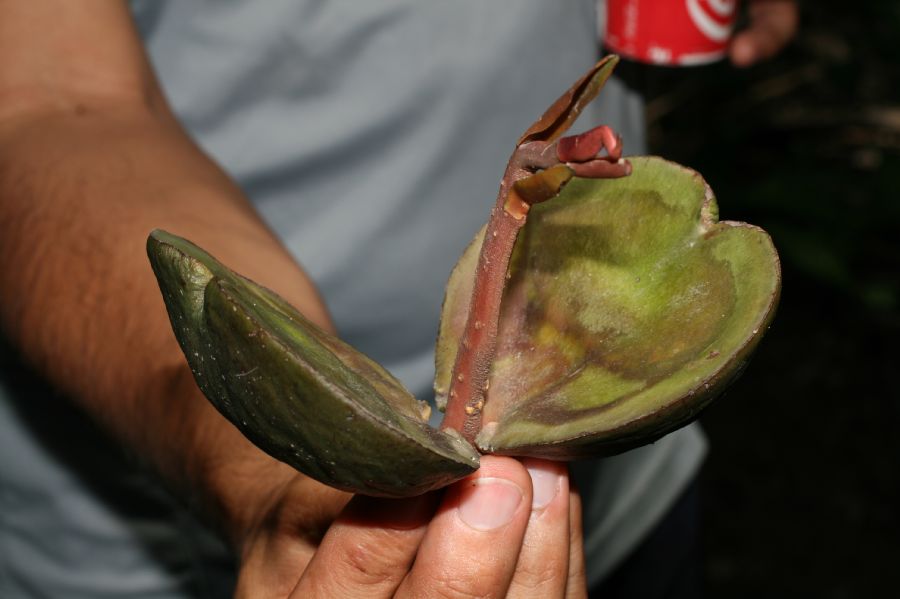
[(772, 25), (497, 533)]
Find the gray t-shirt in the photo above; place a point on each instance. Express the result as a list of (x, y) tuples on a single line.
[(371, 136)]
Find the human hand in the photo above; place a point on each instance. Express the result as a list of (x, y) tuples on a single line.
[(772, 25), (497, 533)]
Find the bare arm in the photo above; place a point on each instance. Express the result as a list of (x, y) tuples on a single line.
[(90, 161)]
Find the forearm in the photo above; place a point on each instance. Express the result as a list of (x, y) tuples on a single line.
[(80, 188)]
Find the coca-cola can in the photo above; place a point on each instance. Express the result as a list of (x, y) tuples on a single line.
[(670, 32)]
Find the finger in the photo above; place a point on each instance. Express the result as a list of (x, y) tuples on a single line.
[(369, 548), (274, 568), (472, 544), (276, 553), (576, 585), (543, 566), (772, 25)]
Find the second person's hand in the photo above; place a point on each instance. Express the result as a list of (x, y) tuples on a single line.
[(773, 23)]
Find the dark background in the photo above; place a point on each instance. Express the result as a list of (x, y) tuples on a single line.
[(801, 491)]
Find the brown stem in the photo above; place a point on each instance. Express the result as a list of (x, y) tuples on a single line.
[(520, 188), (538, 169), (472, 369)]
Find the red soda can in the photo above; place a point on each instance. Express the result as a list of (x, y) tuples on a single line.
[(670, 32)]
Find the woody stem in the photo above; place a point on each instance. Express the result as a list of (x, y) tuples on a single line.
[(537, 172), (471, 372)]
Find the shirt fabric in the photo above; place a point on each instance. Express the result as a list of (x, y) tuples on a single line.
[(371, 136)]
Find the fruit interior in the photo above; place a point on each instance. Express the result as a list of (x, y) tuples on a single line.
[(628, 308)]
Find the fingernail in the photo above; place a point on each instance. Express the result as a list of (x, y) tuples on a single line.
[(489, 503), (544, 482)]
